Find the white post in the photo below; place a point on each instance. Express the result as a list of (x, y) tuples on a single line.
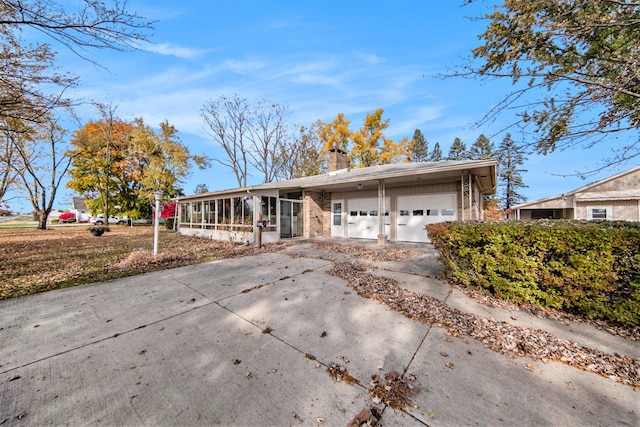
[(156, 224), (176, 213)]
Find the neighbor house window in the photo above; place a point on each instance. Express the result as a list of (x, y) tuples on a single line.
[(599, 213)]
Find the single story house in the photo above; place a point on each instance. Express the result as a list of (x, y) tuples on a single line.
[(389, 202), (80, 209), (614, 198)]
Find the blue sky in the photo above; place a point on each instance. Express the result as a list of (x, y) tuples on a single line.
[(320, 59)]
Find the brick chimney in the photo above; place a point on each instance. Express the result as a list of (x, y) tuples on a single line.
[(337, 160)]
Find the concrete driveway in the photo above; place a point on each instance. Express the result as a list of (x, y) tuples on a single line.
[(254, 341)]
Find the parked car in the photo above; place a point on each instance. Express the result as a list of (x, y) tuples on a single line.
[(99, 220)]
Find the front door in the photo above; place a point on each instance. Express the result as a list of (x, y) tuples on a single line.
[(337, 218), (291, 218)]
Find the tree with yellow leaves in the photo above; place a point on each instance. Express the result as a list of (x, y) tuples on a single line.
[(371, 147), (335, 135)]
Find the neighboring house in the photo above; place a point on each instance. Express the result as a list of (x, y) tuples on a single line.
[(390, 202), (79, 208), (615, 198)]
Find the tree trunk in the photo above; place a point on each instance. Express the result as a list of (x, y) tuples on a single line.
[(42, 220)]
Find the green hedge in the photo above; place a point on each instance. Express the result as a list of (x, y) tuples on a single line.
[(168, 223), (591, 268)]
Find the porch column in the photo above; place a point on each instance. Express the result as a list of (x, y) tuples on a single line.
[(465, 182), (382, 237)]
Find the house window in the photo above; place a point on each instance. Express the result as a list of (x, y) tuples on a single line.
[(197, 212), (210, 212), (404, 212), (248, 210), (448, 212), (185, 213), (418, 212), (224, 211), (237, 210), (269, 209), (599, 213)]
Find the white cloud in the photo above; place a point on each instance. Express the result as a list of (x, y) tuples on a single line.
[(243, 66), (316, 79), (370, 58), (168, 49)]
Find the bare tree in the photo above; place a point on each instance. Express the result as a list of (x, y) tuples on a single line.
[(303, 153), (43, 163), (24, 72), (29, 89), (9, 159), (229, 126), (93, 24), (268, 138)]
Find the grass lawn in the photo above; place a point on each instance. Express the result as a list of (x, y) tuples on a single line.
[(22, 221), (34, 260)]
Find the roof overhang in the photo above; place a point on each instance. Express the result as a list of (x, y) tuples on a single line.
[(395, 175)]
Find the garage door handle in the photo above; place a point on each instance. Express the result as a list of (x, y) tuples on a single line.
[(401, 224), (352, 223)]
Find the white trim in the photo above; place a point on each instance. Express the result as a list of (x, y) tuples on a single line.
[(338, 230)]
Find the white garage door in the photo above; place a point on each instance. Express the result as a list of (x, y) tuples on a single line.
[(415, 212), (363, 218)]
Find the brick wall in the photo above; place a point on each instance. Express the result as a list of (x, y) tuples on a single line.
[(314, 217)]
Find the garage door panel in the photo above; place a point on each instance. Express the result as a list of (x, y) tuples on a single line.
[(414, 213), (363, 218)]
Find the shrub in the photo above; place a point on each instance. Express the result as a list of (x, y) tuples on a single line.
[(168, 223), (67, 217), (592, 269)]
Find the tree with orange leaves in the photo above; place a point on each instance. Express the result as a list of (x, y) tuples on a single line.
[(117, 165)]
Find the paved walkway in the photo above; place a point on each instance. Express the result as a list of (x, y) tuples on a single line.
[(249, 341)]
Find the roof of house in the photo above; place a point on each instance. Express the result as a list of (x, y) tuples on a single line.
[(78, 203), (397, 173), (585, 194)]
